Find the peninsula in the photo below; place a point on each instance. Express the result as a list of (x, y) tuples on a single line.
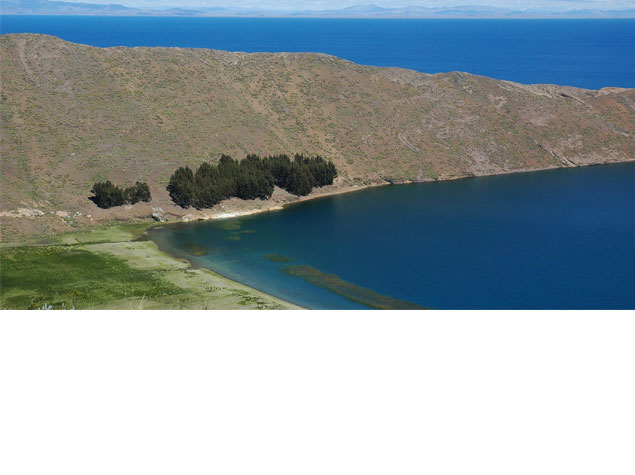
[(74, 115)]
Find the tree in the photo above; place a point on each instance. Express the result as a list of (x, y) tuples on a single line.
[(206, 197), (254, 177), (250, 186), (181, 187), (143, 192), (139, 192), (280, 168), (107, 195), (300, 180)]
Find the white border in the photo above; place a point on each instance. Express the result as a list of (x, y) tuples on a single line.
[(317, 392)]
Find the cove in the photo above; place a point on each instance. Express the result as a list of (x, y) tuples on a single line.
[(555, 239)]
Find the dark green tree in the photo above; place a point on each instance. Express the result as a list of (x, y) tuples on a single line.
[(139, 192), (142, 192), (181, 187), (252, 178), (280, 168), (107, 195), (300, 180)]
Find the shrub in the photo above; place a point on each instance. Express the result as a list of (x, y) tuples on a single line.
[(107, 195)]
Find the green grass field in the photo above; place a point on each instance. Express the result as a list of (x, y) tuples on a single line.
[(110, 268), (67, 277)]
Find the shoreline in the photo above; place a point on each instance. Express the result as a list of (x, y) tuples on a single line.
[(222, 214), (123, 240), (276, 206), (155, 251), (341, 191), (162, 282), (172, 255), (143, 214)]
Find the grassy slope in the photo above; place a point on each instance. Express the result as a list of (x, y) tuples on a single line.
[(74, 114), (106, 269)]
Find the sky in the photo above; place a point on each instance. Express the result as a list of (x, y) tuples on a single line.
[(337, 4)]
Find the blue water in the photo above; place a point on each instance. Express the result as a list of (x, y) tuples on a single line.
[(555, 239), (583, 53)]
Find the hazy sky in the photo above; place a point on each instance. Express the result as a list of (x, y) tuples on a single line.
[(328, 4)]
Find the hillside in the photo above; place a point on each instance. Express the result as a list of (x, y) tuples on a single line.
[(74, 114)]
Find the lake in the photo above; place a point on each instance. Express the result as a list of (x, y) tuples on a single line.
[(557, 239), (583, 53)]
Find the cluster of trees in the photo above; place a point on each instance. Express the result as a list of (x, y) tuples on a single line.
[(302, 174), (251, 178), (107, 195)]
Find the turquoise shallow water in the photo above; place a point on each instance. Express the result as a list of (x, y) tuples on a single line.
[(551, 239)]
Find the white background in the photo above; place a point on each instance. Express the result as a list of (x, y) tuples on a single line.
[(317, 393)]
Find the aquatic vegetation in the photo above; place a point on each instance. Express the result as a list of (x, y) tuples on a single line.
[(277, 258), (228, 224), (352, 292), (196, 249)]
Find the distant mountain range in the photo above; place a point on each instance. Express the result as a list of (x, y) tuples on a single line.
[(46, 7)]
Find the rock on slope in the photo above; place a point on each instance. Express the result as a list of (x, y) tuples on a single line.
[(74, 114)]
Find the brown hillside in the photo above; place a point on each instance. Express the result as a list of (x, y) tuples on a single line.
[(74, 114)]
